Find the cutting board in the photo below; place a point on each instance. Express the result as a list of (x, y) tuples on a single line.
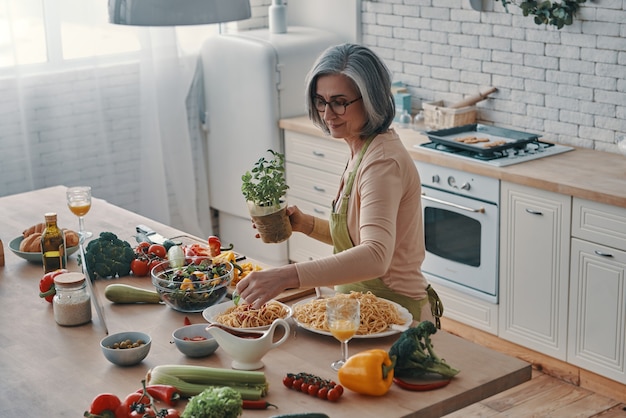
[(287, 295)]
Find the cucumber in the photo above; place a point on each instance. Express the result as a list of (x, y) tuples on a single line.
[(123, 293)]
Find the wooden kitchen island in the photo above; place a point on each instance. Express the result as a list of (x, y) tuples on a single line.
[(54, 371)]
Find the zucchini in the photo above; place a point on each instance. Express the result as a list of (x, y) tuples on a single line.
[(123, 293)]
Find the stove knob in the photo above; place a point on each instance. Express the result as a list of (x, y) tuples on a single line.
[(435, 178), (452, 182), (466, 186)]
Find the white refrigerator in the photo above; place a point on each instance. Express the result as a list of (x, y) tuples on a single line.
[(252, 80)]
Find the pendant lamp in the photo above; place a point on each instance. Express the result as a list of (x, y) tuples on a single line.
[(177, 12)]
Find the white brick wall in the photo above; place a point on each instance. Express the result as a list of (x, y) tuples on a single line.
[(568, 84)]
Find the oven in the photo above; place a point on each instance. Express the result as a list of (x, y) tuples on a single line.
[(461, 226)]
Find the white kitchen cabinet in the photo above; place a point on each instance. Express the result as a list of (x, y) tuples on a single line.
[(314, 166), (597, 310), (534, 268)]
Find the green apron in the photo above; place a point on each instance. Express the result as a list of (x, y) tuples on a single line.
[(342, 241)]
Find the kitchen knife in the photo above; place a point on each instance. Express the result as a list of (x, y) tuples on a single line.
[(146, 234)]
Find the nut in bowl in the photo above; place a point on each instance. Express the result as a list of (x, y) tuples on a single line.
[(126, 348), (193, 284), (194, 340)]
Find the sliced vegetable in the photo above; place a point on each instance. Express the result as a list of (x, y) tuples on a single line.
[(369, 372), (215, 246), (191, 380), (46, 284), (176, 256), (422, 386), (123, 293), (105, 405), (164, 393)]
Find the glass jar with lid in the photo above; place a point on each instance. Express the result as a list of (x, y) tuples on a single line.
[(71, 303)]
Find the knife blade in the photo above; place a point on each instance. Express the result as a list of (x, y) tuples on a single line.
[(147, 234), (90, 286)]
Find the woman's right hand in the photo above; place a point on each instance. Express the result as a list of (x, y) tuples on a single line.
[(300, 222)]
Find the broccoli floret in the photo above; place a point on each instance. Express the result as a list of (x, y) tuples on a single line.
[(415, 355), (109, 256), (214, 402)]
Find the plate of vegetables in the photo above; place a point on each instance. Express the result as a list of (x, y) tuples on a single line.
[(192, 284)]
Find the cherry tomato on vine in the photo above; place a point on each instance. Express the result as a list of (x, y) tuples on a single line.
[(314, 389), (322, 393), (142, 248), (288, 381), (333, 394), (157, 250), (140, 267)]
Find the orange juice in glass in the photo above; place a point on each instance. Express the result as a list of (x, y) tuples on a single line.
[(343, 317)]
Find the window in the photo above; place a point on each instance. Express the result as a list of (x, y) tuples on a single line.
[(62, 32)]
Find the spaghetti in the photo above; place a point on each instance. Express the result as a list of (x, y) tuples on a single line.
[(244, 316), (376, 314)]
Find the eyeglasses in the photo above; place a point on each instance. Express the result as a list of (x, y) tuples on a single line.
[(337, 106)]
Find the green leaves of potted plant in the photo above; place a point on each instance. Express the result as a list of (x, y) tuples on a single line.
[(552, 13), (264, 188)]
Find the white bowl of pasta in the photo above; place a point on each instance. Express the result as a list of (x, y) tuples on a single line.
[(242, 316)]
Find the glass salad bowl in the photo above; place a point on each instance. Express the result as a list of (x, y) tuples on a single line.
[(192, 284)]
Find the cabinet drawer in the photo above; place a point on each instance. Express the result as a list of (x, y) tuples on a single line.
[(301, 247), (323, 154), (310, 184), (600, 223)]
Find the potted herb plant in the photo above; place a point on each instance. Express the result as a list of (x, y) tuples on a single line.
[(264, 188)]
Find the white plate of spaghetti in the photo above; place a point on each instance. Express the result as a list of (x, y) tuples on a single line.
[(377, 315), (243, 316)]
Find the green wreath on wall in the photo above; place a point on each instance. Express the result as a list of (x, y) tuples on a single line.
[(546, 12)]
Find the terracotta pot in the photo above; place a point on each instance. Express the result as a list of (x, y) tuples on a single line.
[(272, 223)]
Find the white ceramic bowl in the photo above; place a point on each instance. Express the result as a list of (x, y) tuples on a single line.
[(126, 356), (186, 342)]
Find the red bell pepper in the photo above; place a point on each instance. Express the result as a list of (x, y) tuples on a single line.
[(163, 393), (215, 246), (46, 284)]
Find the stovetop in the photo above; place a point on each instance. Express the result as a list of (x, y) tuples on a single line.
[(531, 151)]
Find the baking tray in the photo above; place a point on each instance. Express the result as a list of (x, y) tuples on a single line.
[(488, 134)]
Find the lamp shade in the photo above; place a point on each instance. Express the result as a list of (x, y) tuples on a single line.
[(177, 12)]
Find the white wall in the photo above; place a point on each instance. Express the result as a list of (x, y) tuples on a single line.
[(568, 84)]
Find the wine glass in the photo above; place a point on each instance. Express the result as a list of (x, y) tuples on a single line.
[(343, 318), (79, 202)]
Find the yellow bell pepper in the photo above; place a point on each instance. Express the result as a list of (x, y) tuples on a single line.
[(187, 284), (369, 372)]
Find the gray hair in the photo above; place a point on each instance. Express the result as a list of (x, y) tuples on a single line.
[(369, 74)]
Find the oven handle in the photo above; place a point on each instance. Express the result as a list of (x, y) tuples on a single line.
[(454, 205)]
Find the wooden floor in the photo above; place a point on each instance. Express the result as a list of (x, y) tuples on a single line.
[(545, 396), (556, 389)]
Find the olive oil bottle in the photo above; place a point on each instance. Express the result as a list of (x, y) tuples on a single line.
[(53, 245)]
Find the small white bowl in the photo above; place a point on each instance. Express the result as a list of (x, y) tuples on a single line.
[(126, 356), (183, 338)]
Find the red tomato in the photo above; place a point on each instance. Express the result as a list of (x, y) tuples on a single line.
[(333, 394), (172, 413), (132, 401), (153, 264), (158, 250), (142, 248), (140, 267)]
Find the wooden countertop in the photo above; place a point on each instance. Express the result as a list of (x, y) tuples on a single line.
[(49, 370), (587, 174)]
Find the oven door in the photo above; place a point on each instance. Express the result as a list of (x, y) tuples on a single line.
[(461, 243)]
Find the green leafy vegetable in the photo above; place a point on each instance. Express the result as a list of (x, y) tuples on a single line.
[(214, 402), (415, 355)]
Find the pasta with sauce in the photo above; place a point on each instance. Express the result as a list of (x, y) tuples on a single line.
[(376, 314)]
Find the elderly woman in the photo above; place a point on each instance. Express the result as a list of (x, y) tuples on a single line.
[(376, 225)]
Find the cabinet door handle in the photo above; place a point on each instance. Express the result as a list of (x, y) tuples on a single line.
[(534, 212), (318, 154), (319, 189), (603, 254)]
